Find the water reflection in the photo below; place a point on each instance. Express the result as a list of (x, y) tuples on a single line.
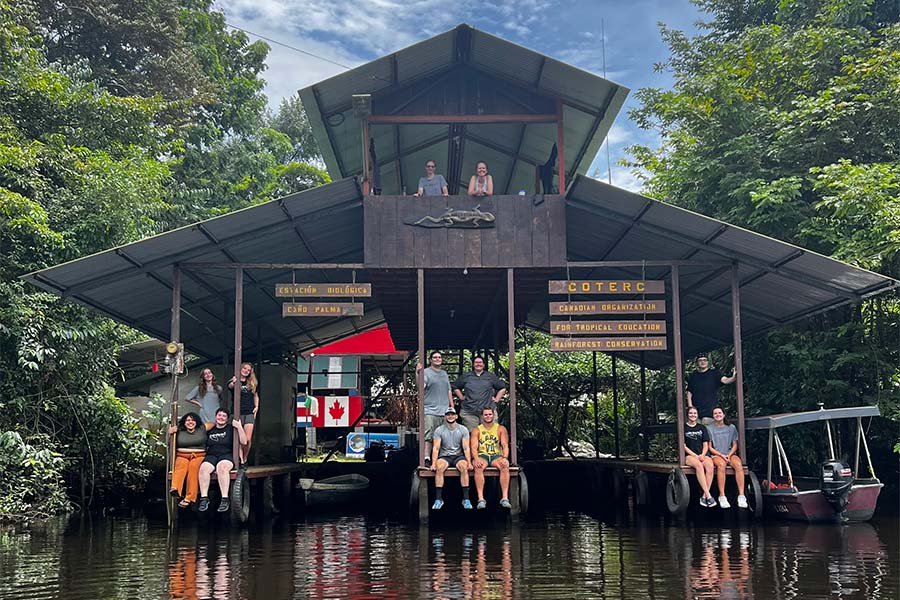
[(562, 556)]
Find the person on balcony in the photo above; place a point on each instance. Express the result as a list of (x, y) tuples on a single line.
[(703, 388), (433, 184), (481, 184)]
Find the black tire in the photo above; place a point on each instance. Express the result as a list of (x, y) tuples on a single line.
[(240, 498), (414, 492), (678, 492), (523, 493), (754, 497), (641, 485)]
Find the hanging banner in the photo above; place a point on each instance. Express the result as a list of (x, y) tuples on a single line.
[(307, 410), (323, 290), (623, 344), (606, 327), (607, 307), (607, 286), (322, 309)]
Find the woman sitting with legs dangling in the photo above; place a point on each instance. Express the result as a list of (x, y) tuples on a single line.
[(190, 450), (696, 445), (219, 458), (724, 452)]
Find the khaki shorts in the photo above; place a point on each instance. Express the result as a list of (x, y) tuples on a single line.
[(432, 422), (707, 421)]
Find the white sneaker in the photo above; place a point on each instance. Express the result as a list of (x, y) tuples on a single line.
[(742, 502), (723, 502)]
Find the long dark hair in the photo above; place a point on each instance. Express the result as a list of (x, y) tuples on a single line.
[(202, 385), (193, 415), (724, 420)]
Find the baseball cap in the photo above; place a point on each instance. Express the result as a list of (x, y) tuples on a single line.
[(450, 411)]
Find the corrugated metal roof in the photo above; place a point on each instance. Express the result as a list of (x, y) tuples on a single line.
[(133, 283), (591, 103), (779, 282)]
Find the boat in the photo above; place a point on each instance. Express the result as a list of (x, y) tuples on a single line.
[(839, 493), (334, 491)]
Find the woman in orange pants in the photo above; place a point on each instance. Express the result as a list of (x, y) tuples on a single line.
[(190, 450)]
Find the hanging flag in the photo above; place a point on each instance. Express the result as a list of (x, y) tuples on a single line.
[(338, 411), (307, 409)]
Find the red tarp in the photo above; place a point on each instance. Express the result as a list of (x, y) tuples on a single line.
[(374, 341)]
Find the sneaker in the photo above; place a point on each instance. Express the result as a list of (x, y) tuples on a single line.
[(711, 502), (174, 493), (703, 502), (723, 502), (224, 505), (742, 502), (203, 505), (428, 462), (505, 503), (467, 504), (481, 504), (438, 505)]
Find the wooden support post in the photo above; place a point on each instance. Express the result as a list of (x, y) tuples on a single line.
[(738, 358), (596, 407), (420, 375), (365, 157), (615, 391), (679, 361), (645, 441), (511, 333), (560, 147), (175, 336), (259, 365), (238, 346)]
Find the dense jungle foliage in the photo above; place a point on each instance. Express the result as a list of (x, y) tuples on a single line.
[(119, 120)]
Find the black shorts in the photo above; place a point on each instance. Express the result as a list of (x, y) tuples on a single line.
[(214, 460), (453, 459)]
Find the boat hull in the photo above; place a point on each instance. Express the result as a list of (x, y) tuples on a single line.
[(811, 506), (335, 491)]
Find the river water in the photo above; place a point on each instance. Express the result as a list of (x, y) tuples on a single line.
[(567, 555)]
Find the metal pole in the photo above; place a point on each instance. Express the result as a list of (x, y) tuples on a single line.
[(596, 408), (738, 358), (769, 460), (175, 335), (420, 375), (365, 156), (645, 441), (238, 343), (511, 334), (560, 146), (615, 391), (679, 361), (858, 435)]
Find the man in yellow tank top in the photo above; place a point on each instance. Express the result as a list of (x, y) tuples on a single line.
[(490, 447)]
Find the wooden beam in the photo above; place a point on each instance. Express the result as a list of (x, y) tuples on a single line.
[(738, 358), (420, 374), (238, 342), (679, 362), (511, 340), (449, 119)]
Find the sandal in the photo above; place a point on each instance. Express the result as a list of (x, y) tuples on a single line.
[(184, 503)]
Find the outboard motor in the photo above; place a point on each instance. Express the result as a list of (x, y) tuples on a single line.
[(835, 481)]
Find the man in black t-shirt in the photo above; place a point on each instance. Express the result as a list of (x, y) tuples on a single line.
[(703, 387)]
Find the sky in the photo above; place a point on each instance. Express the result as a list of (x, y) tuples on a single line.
[(352, 32)]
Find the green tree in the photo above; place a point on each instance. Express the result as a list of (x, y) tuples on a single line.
[(784, 119)]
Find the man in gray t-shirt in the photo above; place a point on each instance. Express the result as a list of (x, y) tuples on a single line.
[(476, 391), (437, 398), (451, 449), (433, 184)]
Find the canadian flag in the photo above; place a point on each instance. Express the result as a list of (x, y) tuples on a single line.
[(338, 411)]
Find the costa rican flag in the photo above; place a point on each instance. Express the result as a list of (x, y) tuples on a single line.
[(307, 409)]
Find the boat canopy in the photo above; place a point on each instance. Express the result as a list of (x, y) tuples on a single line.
[(811, 416)]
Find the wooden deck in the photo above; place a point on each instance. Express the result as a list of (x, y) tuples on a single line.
[(647, 465), (454, 472), (263, 471)]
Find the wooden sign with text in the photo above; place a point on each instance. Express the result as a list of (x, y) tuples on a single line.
[(607, 344), (322, 309), (607, 286), (606, 327), (607, 307), (323, 290)]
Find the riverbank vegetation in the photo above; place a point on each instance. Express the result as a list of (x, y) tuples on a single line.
[(122, 120)]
